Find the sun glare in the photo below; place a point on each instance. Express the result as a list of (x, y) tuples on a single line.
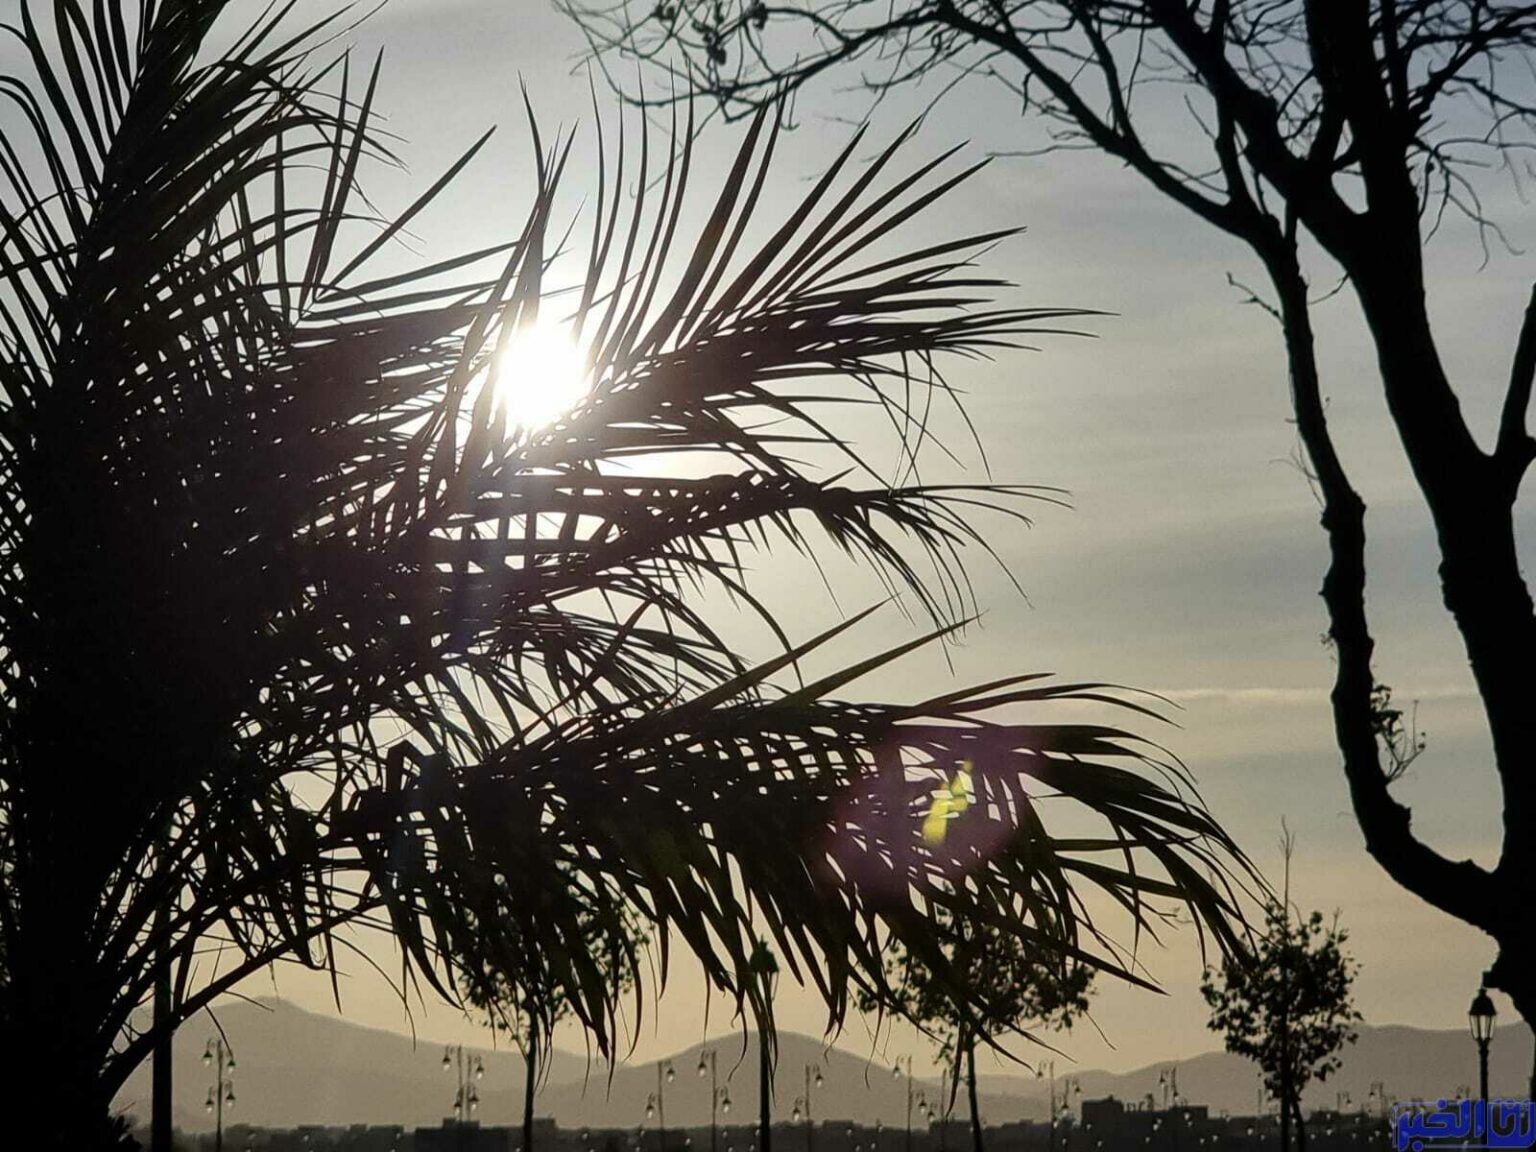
[(541, 375)]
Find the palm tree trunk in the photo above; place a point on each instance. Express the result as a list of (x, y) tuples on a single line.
[(160, 1069), (56, 1083), (970, 1091), (764, 1090), (531, 1062)]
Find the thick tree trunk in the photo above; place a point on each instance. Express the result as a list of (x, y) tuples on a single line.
[(1471, 497), (55, 1014), (1285, 1124), (56, 1083), (1301, 1124), (1515, 974)]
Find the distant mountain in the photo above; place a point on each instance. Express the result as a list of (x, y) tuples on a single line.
[(1411, 1062), (297, 1067)]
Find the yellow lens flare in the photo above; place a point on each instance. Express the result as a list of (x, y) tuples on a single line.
[(947, 805)]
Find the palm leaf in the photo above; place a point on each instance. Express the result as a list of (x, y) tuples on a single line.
[(328, 644)]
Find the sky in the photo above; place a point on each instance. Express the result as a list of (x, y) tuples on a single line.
[(1190, 560)]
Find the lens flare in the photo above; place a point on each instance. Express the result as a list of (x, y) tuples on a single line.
[(541, 374)]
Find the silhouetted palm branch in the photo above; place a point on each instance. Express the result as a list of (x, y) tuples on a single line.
[(300, 634)]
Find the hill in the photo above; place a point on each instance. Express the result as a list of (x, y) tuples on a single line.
[(297, 1067)]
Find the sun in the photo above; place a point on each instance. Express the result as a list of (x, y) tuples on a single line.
[(541, 374)]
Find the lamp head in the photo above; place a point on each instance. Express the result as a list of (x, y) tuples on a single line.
[(1481, 1016)]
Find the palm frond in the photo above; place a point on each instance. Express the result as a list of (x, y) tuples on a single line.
[(329, 641)]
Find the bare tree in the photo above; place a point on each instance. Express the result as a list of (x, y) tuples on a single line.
[(1314, 131)]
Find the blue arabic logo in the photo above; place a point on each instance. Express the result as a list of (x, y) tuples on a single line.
[(1468, 1124)]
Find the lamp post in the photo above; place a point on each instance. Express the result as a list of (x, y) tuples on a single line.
[(1047, 1068), (804, 1102), (1168, 1081), (465, 1096), (657, 1103), (913, 1096), (766, 968), (222, 1059), (719, 1098), (1481, 1017), (1069, 1088)]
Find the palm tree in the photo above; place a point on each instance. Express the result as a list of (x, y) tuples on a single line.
[(303, 631)]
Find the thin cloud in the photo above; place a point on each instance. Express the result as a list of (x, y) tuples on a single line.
[(1295, 697)]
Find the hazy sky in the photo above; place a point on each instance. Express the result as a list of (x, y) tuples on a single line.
[(1191, 561)]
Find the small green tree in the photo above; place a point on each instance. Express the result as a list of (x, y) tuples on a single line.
[(529, 1005), (996, 983), (1288, 1007)]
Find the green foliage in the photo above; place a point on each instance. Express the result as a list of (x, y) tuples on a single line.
[(995, 983), (1287, 1006), (526, 1000)]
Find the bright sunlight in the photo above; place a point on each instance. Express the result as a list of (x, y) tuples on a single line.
[(541, 375)]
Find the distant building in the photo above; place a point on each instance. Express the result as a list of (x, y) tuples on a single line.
[(1105, 1125), (465, 1136)]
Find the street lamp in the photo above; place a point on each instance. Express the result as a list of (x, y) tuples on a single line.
[(1069, 1088), (222, 1093), (719, 1098), (656, 1103), (1042, 1070), (1481, 1017), (805, 1103), (765, 967), (913, 1095), (1168, 1081), (465, 1096)]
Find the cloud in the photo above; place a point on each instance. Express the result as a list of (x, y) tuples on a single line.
[(1307, 697)]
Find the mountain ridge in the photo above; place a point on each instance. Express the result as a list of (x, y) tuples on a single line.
[(297, 1067)]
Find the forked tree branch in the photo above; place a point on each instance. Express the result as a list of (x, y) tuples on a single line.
[(1515, 448), (1460, 888)]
